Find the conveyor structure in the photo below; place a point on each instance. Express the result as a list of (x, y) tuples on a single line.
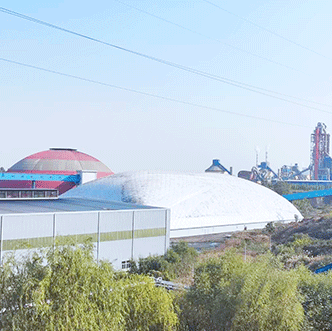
[(308, 195), (40, 177)]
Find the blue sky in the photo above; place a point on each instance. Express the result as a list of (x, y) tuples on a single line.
[(128, 131)]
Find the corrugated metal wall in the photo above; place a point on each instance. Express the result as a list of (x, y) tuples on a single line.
[(118, 235)]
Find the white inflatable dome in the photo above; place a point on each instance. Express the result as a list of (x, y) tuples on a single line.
[(200, 203)]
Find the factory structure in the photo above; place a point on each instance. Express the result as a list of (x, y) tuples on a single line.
[(319, 170), (321, 162), (64, 194)]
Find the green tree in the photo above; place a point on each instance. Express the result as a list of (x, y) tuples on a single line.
[(66, 289), (18, 281), (147, 307), (230, 294), (269, 299), (77, 293), (317, 303)]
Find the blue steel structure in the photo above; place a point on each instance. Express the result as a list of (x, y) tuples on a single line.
[(265, 166), (260, 173), (290, 172), (217, 167), (40, 177), (308, 195), (323, 269)]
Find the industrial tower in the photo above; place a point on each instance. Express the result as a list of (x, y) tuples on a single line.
[(320, 162)]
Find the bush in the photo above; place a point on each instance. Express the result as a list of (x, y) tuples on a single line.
[(178, 261), (281, 188)]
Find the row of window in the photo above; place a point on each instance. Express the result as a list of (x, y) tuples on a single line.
[(28, 194)]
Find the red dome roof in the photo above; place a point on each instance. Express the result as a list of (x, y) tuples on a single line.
[(64, 161), (59, 160)]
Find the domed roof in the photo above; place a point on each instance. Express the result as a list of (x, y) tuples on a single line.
[(59, 160), (196, 200)]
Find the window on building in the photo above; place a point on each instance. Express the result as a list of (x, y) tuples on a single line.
[(39, 194), (13, 194), (126, 264), (26, 194), (51, 194)]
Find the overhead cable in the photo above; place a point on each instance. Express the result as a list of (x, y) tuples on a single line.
[(150, 94), (265, 29), (172, 64), (208, 37)]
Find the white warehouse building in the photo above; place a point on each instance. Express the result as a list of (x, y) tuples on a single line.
[(200, 203), (119, 231)]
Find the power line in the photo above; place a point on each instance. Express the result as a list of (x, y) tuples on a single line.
[(265, 29), (172, 64), (262, 90), (208, 37), (149, 94)]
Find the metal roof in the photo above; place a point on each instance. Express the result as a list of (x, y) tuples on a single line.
[(63, 205), (216, 167), (196, 200), (58, 160)]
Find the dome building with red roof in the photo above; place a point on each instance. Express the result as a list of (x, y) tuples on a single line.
[(55, 161)]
